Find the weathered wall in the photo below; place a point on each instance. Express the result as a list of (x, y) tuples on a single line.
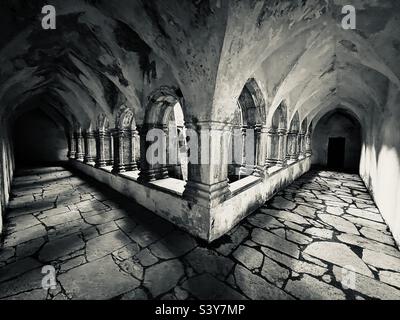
[(333, 126), (380, 161), (6, 169), (38, 139), (231, 212)]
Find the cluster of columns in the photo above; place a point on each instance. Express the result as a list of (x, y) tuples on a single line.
[(117, 148), (207, 179), (283, 146)]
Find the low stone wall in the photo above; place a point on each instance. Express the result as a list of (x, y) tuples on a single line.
[(225, 216), (205, 223)]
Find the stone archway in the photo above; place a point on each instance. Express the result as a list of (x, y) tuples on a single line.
[(277, 133), (339, 131), (104, 142), (248, 139), (125, 141), (165, 105), (292, 147)]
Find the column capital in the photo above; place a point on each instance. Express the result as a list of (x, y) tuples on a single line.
[(209, 125), (281, 131)]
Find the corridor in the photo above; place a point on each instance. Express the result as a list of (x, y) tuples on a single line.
[(320, 238)]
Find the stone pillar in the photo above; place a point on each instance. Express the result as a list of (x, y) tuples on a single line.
[(243, 170), (282, 142), (291, 146), (79, 146), (301, 146), (110, 148), (261, 133), (272, 147), (136, 138), (132, 137), (72, 146), (207, 183), (119, 145), (100, 149), (308, 145), (90, 145), (150, 171)]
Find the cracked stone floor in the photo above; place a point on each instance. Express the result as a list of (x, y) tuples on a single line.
[(320, 238)]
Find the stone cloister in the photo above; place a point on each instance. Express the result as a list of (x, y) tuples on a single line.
[(268, 97)]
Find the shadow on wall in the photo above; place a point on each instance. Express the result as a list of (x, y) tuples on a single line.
[(38, 139), (336, 142), (380, 167)]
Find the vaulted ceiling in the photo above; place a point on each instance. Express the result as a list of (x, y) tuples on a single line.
[(105, 53)]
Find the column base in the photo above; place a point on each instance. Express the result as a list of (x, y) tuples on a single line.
[(90, 161), (206, 195), (101, 164), (133, 167), (260, 171), (118, 169), (148, 175), (281, 163), (271, 163), (71, 155)]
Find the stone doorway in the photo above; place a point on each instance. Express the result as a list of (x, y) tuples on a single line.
[(336, 150)]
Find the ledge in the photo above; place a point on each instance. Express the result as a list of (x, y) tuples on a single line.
[(243, 184), (172, 185), (164, 197)]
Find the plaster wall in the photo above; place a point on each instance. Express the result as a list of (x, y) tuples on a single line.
[(6, 170), (380, 161)]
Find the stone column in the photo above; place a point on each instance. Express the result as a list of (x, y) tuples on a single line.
[(90, 145), (132, 137), (272, 147), (150, 171), (301, 145), (100, 149), (291, 146), (119, 145), (261, 133), (308, 145), (243, 171), (110, 148), (79, 146), (136, 137), (72, 146), (207, 183), (282, 142)]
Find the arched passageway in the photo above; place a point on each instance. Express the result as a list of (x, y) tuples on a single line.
[(336, 142), (176, 142), (38, 139), (247, 147)]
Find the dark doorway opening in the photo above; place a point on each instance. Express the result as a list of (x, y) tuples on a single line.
[(336, 147), (38, 140)]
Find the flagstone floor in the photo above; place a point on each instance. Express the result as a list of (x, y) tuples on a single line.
[(320, 238)]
